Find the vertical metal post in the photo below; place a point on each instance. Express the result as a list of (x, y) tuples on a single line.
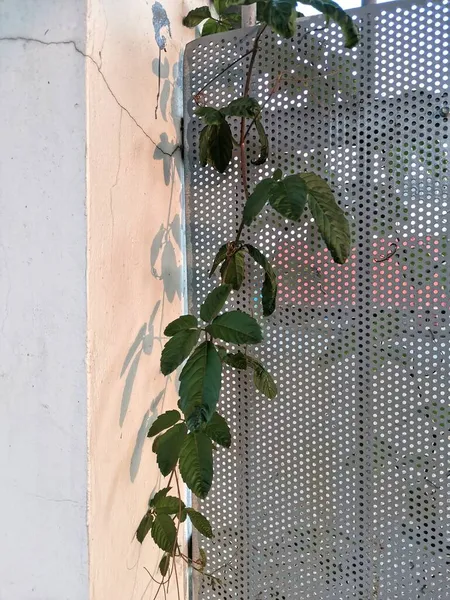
[(249, 15)]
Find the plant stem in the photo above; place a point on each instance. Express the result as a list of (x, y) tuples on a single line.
[(227, 68), (242, 137)]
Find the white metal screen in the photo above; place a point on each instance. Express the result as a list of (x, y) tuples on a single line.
[(339, 488)]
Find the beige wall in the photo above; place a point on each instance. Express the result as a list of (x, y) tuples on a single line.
[(134, 273)]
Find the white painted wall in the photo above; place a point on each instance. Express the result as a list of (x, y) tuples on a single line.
[(43, 462)]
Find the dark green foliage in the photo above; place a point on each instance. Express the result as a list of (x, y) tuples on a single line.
[(168, 447), (196, 463), (214, 302), (236, 327), (200, 382)]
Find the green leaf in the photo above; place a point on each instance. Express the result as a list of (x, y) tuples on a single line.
[(204, 141), (221, 147), (157, 497), (196, 16), (264, 142), (211, 116), (227, 3), (216, 146), (257, 200), (222, 352), (269, 289), (217, 429), (213, 26), (200, 382), (236, 327), (181, 324), (214, 302), (144, 527), (164, 564), (277, 175), (177, 349), (168, 448), (169, 505), (334, 12), (262, 379), (281, 16), (237, 361), (164, 533), (242, 107), (196, 463), (164, 421), (200, 523), (233, 270), (329, 216), (219, 258), (288, 197)]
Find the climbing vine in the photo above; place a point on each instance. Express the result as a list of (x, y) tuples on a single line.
[(184, 440)]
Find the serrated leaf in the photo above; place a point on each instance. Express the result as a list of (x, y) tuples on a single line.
[(214, 302), (288, 197), (181, 324), (196, 463), (134, 346), (262, 379), (164, 421), (335, 13), (144, 527), (329, 217), (169, 505), (196, 16), (157, 497), (281, 16), (219, 258), (233, 270), (210, 115), (246, 107), (168, 447), (177, 349), (236, 327), (257, 200), (200, 523), (164, 564), (217, 429), (269, 288), (164, 533), (237, 361), (200, 382), (213, 26)]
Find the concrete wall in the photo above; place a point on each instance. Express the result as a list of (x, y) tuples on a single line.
[(43, 536), (134, 271), (90, 198)]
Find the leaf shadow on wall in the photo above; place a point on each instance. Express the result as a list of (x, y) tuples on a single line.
[(147, 421), (164, 267), (143, 344)]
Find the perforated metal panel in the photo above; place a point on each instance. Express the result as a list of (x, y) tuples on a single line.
[(339, 488)]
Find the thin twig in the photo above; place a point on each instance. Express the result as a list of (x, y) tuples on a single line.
[(227, 68), (389, 254), (242, 137)]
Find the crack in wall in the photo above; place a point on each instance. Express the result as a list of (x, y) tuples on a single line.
[(98, 67)]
